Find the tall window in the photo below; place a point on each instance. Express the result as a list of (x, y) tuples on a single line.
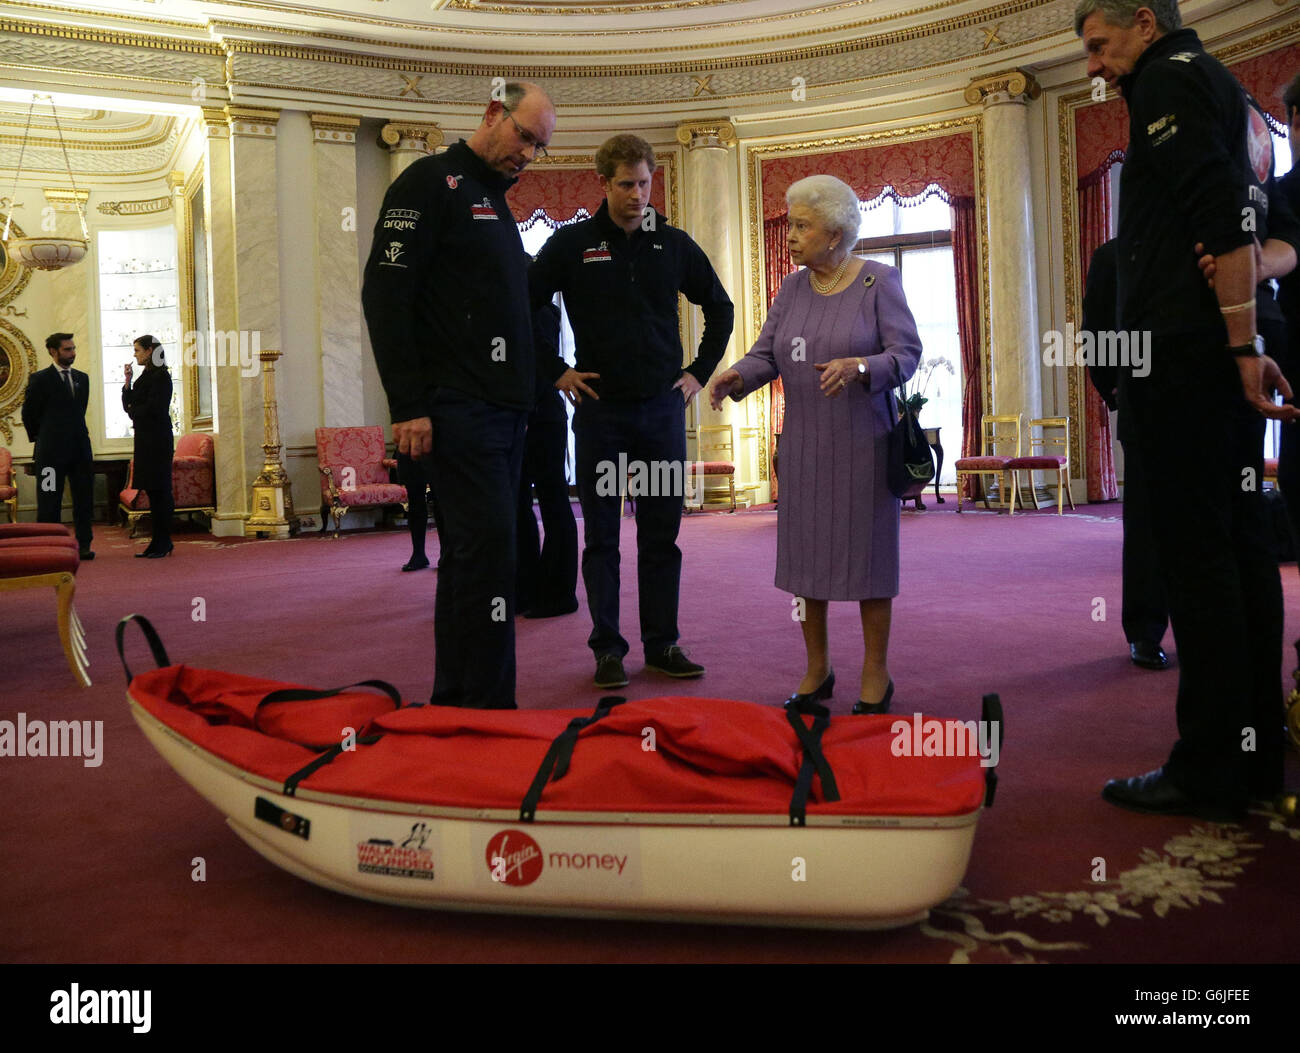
[(915, 236), (535, 234), (139, 295)]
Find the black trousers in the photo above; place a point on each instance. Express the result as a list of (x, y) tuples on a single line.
[(161, 507), (1145, 613), (49, 496), (1200, 443), (411, 474), (474, 469), (653, 433), (547, 577)]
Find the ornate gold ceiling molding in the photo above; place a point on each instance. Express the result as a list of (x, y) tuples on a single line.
[(218, 27), (611, 7), (34, 142), (108, 36)]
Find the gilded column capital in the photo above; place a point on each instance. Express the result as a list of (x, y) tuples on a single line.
[(215, 122), (252, 121), (176, 182), (411, 135), (334, 128), (1011, 86), (695, 135)]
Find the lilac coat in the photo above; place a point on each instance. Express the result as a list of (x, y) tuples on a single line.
[(837, 522)]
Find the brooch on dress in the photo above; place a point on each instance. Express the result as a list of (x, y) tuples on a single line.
[(869, 280)]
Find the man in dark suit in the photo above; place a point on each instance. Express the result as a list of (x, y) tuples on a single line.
[(54, 414)]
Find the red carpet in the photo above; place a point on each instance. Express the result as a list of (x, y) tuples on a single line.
[(97, 862)]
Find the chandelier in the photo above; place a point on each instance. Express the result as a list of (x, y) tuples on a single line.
[(46, 252)]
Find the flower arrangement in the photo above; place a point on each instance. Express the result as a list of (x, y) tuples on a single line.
[(921, 383)]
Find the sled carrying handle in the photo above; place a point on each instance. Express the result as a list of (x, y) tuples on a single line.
[(555, 765), (991, 714), (814, 760), (150, 634), (306, 694)]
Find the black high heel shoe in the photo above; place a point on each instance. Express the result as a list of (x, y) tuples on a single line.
[(155, 553), (882, 706), (822, 691)]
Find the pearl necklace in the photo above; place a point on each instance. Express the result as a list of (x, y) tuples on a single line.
[(828, 286)]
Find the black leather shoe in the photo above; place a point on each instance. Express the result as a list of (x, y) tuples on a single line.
[(860, 707), (85, 553), (1155, 794), (609, 671), (416, 563), (1148, 655), (157, 553), (673, 661), (824, 690)]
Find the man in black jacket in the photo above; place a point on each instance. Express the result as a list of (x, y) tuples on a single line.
[(54, 414), (620, 273), (446, 304), (1196, 170)]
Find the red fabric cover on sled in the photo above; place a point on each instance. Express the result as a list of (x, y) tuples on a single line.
[(709, 755)]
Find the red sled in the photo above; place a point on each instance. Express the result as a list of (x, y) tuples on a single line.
[(684, 809)]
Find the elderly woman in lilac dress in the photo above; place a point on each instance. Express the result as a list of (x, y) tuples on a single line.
[(841, 337)]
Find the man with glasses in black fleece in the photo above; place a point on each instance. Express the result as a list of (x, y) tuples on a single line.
[(446, 304)]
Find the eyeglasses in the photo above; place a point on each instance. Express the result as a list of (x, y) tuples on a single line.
[(526, 137)]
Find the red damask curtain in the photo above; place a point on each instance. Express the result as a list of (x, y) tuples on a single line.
[(554, 195), (908, 168)]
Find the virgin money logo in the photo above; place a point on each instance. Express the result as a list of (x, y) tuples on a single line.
[(514, 858)]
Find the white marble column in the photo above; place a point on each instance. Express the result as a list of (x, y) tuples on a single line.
[(246, 293), (338, 284), (408, 141), (710, 183), (1016, 353)]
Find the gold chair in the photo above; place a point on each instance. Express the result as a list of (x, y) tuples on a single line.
[(997, 431), (8, 487), (1046, 460), (715, 446)]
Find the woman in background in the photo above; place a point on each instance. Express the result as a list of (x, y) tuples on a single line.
[(148, 403), (841, 337)]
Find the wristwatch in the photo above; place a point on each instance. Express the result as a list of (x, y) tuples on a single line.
[(862, 370), (1255, 349)]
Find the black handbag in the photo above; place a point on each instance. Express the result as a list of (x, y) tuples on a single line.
[(911, 463)]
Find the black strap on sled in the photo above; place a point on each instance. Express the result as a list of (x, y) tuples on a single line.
[(291, 783), (150, 634), (306, 694), (991, 714), (814, 760), (556, 762)]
